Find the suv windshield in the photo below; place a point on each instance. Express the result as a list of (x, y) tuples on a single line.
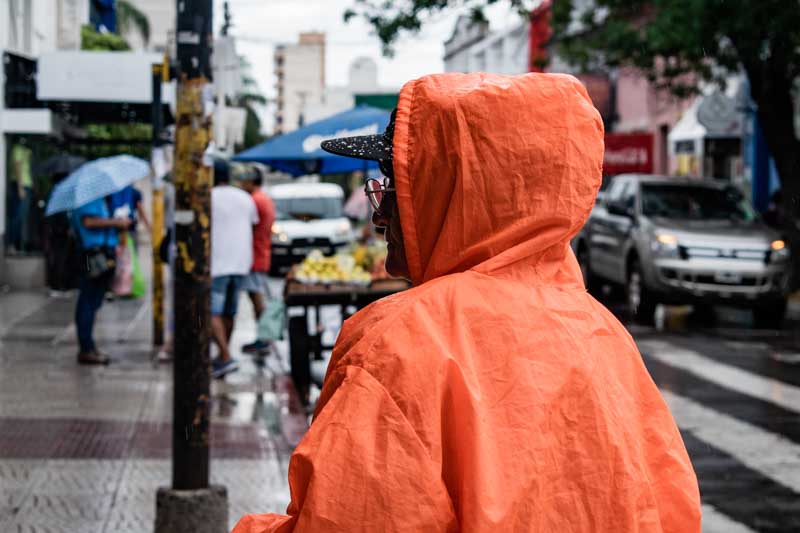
[(307, 208), (693, 202)]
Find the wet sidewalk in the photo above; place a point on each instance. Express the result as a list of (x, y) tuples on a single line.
[(83, 449)]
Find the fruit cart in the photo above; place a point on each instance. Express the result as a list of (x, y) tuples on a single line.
[(303, 293)]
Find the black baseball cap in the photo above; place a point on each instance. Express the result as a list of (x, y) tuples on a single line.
[(371, 147)]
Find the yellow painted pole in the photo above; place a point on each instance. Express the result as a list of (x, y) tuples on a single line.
[(157, 228)]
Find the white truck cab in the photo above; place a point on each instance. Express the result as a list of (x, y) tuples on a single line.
[(308, 216)]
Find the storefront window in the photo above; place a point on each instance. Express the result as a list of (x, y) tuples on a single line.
[(27, 190)]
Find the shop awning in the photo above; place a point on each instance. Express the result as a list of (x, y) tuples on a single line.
[(298, 152)]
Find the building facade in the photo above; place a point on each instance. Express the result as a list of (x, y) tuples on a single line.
[(362, 81), (637, 117), (28, 28), (472, 48), (300, 73)]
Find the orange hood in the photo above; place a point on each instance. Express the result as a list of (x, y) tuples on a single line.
[(496, 395), (491, 170)]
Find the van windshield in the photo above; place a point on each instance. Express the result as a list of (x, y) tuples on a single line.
[(309, 208)]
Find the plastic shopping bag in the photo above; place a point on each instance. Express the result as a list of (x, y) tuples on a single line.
[(270, 324), (138, 286), (122, 282)]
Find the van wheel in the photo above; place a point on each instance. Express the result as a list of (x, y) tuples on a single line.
[(641, 303), (770, 314)]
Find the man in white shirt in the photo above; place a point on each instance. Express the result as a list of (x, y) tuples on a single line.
[(233, 215)]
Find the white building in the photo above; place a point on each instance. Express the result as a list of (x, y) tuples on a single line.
[(472, 48), (300, 73), (362, 79), (28, 28), (42, 64)]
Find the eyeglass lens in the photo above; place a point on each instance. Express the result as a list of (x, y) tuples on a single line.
[(374, 192)]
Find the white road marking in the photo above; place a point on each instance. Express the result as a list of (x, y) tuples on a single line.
[(716, 522), (728, 376), (768, 453)]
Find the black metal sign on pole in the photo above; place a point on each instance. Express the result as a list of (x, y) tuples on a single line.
[(191, 504)]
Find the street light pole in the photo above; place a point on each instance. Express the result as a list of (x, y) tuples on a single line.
[(191, 504)]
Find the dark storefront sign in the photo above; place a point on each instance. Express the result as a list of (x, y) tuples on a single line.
[(20, 82), (628, 152)]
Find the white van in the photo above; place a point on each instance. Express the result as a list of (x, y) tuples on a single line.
[(308, 216)]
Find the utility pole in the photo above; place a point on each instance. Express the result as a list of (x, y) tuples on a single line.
[(191, 505), (160, 73)]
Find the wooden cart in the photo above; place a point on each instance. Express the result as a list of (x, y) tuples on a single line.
[(304, 345)]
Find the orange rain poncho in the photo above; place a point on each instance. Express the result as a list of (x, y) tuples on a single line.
[(496, 395)]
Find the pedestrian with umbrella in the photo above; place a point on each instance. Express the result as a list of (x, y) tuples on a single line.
[(85, 193)]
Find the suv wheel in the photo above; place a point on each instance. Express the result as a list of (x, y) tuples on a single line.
[(769, 314), (641, 303)]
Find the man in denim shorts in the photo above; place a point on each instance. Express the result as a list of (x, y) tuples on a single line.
[(233, 215), (256, 283)]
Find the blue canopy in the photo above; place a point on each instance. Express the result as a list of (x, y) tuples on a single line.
[(298, 152)]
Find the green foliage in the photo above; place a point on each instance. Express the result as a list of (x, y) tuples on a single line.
[(129, 18), (94, 40), (249, 98), (119, 132), (676, 43), (391, 18)]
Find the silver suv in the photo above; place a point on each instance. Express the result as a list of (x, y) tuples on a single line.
[(683, 240)]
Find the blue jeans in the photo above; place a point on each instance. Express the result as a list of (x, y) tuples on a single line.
[(225, 294), (90, 298)]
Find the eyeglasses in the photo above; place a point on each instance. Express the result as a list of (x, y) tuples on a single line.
[(375, 189)]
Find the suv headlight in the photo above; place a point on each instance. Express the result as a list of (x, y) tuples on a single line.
[(665, 245), (780, 252), (278, 234)]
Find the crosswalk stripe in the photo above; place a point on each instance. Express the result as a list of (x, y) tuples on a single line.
[(716, 522), (728, 376), (770, 454)]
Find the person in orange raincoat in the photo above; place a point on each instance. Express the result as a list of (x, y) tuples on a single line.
[(496, 394)]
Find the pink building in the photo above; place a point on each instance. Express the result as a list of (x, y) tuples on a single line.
[(641, 108)]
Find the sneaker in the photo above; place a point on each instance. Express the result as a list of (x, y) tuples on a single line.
[(258, 347), (93, 357), (220, 368)]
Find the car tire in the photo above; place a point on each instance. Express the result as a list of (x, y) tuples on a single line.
[(590, 281), (770, 314), (640, 301)]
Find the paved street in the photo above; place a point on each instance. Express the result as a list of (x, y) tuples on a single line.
[(84, 449)]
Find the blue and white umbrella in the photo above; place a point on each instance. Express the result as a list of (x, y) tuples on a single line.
[(96, 179)]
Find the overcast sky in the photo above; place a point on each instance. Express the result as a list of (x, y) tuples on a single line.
[(260, 24)]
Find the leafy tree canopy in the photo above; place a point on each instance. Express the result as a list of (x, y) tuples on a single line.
[(677, 44)]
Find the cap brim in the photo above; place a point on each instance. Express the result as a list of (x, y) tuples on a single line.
[(370, 147)]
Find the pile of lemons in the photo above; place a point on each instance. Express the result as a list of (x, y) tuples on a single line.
[(342, 268)]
